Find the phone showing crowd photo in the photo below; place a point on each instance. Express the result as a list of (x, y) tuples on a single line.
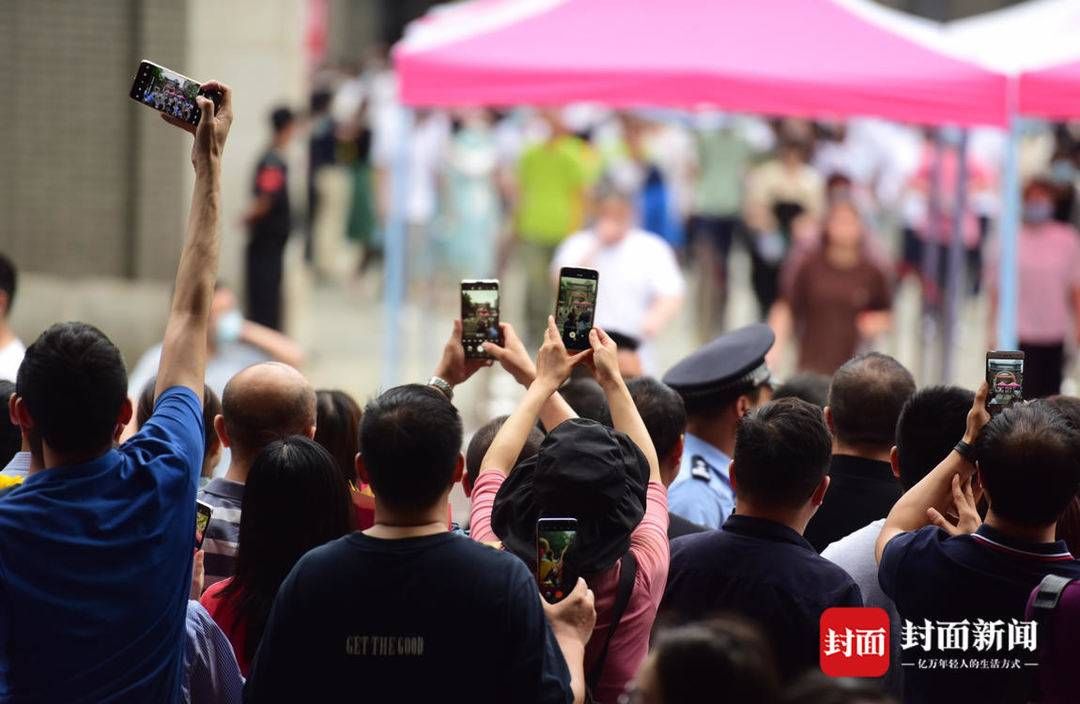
[(576, 305), (479, 316), (169, 92), (555, 538), (1005, 376), (203, 512)]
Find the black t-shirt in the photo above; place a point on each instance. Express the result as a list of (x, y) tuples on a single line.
[(272, 179), (861, 491), (434, 619)]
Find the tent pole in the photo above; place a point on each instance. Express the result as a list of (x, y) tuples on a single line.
[(394, 262), (1009, 233), (955, 283), (931, 262)]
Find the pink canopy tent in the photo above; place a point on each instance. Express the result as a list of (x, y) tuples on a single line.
[(1052, 93), (813, 58)]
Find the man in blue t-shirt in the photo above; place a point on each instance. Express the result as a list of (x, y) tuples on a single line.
[(971, 574), (96, 556)]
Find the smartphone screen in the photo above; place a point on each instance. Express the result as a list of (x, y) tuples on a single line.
[(169, 92), (479, 316), (203, 512), (1005, 376), (575, 306), (555, 539)]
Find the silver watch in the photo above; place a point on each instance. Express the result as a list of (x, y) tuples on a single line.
[(442, 385)]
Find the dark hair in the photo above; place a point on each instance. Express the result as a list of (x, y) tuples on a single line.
[(337, 424), (692, 659), (294, 500), (10, 434), (1068, 525), (714, 403), (320, 100), (9, 279), (210, 409), (280, 118), (663, 411), (1029, 462), (809, 386), (625, 343), (410, 438), (73, 383), (1069, 406), (782, 451), (817, 688), (587, 398), (866, 397), (251, 425), (481, 442), (931, 423)]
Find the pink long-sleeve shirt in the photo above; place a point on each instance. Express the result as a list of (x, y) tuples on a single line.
[(649, 543)]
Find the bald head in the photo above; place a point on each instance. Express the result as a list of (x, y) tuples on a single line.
[(264, 403), (865, 400)]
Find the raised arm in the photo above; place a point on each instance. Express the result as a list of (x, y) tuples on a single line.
[(183, 354), (515, 359), (624, 414), (553, 365), (921, 504)]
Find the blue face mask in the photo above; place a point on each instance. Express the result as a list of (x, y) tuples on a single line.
[(229, 326), (1038, 212)]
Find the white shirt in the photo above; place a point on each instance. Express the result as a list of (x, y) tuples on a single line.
[(634, 272), (11, 356)]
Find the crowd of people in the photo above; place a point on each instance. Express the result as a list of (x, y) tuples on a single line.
[(718, 512)]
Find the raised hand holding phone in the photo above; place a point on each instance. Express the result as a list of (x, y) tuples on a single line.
[(553, 362)]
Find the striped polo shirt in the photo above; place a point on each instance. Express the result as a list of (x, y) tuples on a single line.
[(223, 532)]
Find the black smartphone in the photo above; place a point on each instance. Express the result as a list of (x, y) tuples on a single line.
[(169, 92), (479, 316), (203, 512), (555, 539), (576, 305), (1005, 376)]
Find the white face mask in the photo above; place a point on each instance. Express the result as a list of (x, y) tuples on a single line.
[(229, 326)]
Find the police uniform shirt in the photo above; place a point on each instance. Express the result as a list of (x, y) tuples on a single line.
[(701, 492)]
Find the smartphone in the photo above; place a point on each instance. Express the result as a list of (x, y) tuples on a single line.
[(169, 92), (203, 512), (479, 316), (555, 538), (1005, 376), (576, 305)]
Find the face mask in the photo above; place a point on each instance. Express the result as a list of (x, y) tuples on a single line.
[(229, 326), (1038, 212)]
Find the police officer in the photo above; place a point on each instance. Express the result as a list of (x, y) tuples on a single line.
[(720, 383)]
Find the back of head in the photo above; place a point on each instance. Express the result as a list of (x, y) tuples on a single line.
[(410, 440), (690, 660), (481, 442), (337, 426), (931, 423), (865, 400), (817, 688), (8, 280), (73, 383), (782, 452), (809, 386), (10, 434), (587, 398), (294, 500), (662, 410), (144, 408), (1029, 463), (264, 403), (280, 118)]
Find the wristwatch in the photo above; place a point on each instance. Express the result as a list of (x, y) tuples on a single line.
[(966, 451), (442, 385)]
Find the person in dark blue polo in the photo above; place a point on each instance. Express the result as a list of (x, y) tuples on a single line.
[(759, 566), (96, 555), (719, 383), (1026, 462)]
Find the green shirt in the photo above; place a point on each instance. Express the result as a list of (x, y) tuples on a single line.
[(552, 178), (723, 157)]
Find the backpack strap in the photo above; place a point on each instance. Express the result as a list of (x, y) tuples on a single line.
[(627, 574), (1047, 597)]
